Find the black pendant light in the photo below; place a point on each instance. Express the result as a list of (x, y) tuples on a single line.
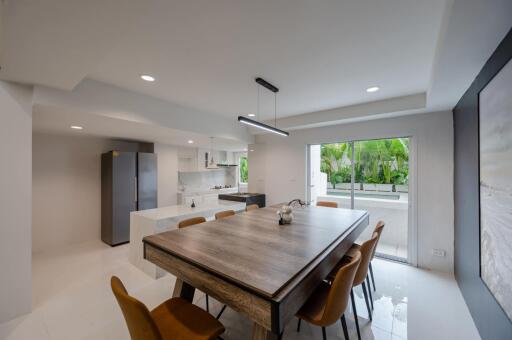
[(263, 126)]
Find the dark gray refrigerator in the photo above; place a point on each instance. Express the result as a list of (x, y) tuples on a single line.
[(128, 183)]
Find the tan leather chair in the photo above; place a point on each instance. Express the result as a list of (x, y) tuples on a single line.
[(191, 221), (218, 216), (223, 214), (378, 229), (327, 304), (252, 207), (326, 204), (187, 223), (366, 252), (175, 319)]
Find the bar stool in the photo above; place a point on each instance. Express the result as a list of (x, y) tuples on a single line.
[(327, 304), (326, 204), (175, 319)]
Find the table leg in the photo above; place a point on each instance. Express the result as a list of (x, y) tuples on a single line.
[(183, 290), (261, 333)]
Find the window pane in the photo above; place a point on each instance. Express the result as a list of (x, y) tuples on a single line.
[(336, 167), (382, 172)]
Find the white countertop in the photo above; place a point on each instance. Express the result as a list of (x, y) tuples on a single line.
[(183, 210), (207, 191)]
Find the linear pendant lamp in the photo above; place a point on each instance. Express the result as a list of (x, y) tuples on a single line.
[(263, 126)]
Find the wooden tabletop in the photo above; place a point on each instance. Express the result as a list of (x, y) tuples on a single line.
[(252, 250)]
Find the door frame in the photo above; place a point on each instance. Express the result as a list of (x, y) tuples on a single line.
[(412, 228)]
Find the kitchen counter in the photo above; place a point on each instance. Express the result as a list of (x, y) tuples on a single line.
[(207, 191), (247, 197), (154, 221)]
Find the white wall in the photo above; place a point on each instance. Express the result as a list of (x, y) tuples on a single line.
[(67, 188), (15, 200), (167, 174), (278, 168)]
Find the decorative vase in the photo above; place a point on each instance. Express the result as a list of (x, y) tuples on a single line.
[(285, 215)]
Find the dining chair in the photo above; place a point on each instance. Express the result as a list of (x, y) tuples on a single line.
[(326, 204), (252, 207), (223, 214), (191, 221), (361, 277), (327, 304), (175, 319), (187, 223), (378, 229), (218, 216)]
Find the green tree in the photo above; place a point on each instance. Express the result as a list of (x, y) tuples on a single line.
[(332, 157), (244, 171), (376, 161)]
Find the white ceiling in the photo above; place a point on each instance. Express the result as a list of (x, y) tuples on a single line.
[(205, 54), (322, 54), (54, 120)]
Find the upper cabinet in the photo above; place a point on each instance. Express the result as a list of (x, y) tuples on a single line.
[(198, 159)]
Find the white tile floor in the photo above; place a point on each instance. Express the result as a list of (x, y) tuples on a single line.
[(72, 300)]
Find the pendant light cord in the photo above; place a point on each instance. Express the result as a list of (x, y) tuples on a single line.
[(275, 109), (258, 104)]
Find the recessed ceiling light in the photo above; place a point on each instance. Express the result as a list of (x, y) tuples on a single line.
[(191, 142), (76, 127), (372, 89), (251, 115), (147, 77)]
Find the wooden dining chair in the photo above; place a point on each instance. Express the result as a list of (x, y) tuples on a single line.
[(223, 214), (175, 319), (361, 277), (327, 304), (191, 221), (187, 223), (252, 207), (326, 204), (378, 229)]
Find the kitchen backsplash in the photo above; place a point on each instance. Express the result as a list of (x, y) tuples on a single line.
[(207, 179)]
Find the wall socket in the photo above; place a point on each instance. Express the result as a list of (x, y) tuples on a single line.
[(439, 252)]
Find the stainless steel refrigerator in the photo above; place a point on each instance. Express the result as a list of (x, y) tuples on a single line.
[(128, 183)]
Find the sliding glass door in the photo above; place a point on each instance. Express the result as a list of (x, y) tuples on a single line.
[(371, 175)]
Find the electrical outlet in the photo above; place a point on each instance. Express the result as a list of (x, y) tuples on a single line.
[(439, 252)]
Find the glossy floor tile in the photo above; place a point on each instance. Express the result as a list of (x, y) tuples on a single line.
[(72, 300)]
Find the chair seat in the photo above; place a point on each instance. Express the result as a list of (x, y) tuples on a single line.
[(180, 320), (313, 309)]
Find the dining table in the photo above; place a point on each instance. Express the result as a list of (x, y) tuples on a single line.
[(254, 265)]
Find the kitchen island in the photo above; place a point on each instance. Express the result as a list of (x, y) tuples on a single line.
[(154, 221)]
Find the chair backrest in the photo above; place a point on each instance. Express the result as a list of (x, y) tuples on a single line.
[(339, 293), (138, 319), (326, 204), (222, 214), (378, 229), (366, 250), (191, 221), (252, 207)]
